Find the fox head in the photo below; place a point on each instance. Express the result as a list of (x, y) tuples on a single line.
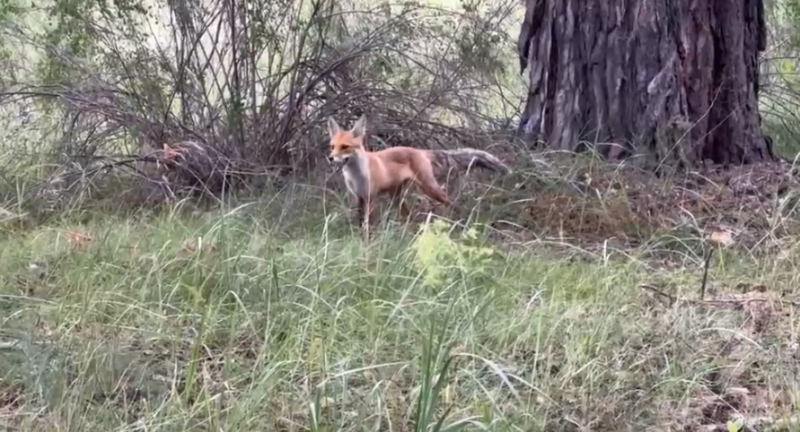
[(345, 143)]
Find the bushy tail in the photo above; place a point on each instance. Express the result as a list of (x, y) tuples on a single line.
[(469, 158)]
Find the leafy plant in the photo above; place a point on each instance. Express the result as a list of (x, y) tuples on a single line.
[(441, 259)]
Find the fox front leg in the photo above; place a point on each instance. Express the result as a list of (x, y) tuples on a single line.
[(358, 208), (366, 208), (362, 211)]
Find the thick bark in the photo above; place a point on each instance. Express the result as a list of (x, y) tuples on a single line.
[(675, 80)]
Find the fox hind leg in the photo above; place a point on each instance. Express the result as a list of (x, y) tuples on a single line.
[(398, 198), (430, 187)]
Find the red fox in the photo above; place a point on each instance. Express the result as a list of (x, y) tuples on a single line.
[(387, 172)]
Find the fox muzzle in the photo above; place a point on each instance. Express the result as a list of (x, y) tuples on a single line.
[(338, 159)]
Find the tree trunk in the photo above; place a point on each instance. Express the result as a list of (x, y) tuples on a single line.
[(673, 80)]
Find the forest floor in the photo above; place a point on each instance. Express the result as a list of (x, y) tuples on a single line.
[(576, 300)]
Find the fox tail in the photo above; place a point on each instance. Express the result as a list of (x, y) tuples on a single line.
[(468, 158)]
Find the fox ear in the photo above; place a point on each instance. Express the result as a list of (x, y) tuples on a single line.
[(360, 127), (333, 127)]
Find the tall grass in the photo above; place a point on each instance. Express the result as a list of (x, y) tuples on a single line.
[(244, 319)]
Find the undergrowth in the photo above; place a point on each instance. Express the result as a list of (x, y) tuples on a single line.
[(264, 316)]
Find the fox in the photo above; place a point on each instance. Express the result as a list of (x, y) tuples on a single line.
[(368, 175)]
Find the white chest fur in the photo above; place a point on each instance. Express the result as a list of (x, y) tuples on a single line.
[(356, 176)]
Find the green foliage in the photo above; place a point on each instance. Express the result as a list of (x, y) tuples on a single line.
[(780, 87), (480, 42), (441, 259), (9, 9), (791, 8), (70, 32), (734, 426)]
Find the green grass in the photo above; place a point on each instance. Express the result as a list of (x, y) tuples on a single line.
[(297, 323)]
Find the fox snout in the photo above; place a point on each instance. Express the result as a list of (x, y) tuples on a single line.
[(338, 159)]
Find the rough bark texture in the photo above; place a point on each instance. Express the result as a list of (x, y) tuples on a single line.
[(676, 80)]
